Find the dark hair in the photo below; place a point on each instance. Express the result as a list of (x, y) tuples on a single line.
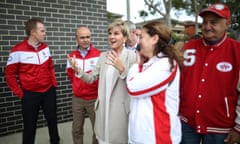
[(31, 24), (166, 43)]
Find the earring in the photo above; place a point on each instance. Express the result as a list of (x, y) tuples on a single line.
[(124, 44)]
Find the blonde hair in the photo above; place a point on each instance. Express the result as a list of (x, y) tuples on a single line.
[(122, 25)]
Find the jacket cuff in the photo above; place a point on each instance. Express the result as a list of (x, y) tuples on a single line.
[(20, 96), (237, 128)]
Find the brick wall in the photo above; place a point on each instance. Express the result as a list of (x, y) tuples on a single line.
[(61, 18)]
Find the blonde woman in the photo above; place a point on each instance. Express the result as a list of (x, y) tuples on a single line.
[(112, 105)]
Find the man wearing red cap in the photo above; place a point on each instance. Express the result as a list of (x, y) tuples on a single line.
[(210, 103)]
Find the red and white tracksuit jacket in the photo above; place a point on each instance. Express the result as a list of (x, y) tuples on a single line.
[(154, 92), (34, 68), (209, 81), (81, 88)]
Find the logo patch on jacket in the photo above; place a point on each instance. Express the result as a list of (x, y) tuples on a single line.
[(224, 67), (92, 64), (10, 58)]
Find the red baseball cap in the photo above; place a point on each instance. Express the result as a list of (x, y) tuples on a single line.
[(219, 9)]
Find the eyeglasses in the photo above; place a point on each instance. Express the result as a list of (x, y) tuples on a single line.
[(85, 37)]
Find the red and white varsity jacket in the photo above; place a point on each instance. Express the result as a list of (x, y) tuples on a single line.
[(209, 85), (34, 69), (81, 88)]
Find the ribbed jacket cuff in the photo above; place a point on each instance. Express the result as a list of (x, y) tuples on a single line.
[(237, 128)]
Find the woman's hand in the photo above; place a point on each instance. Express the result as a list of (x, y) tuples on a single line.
[(72, 61), (115, 60)]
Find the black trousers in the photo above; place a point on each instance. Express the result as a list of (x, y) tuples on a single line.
[(31, 103)]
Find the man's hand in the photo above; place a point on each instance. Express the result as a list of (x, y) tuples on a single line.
[(72, 61), (233, 137)]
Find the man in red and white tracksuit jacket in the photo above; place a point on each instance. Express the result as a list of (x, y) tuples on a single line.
[(84, 94), (34, 68), (30, 75), (80, 88)]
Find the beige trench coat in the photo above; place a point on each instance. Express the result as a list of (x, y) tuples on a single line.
[(119, 100)]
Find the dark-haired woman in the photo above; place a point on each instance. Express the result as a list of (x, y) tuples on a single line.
[(153, 84)]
